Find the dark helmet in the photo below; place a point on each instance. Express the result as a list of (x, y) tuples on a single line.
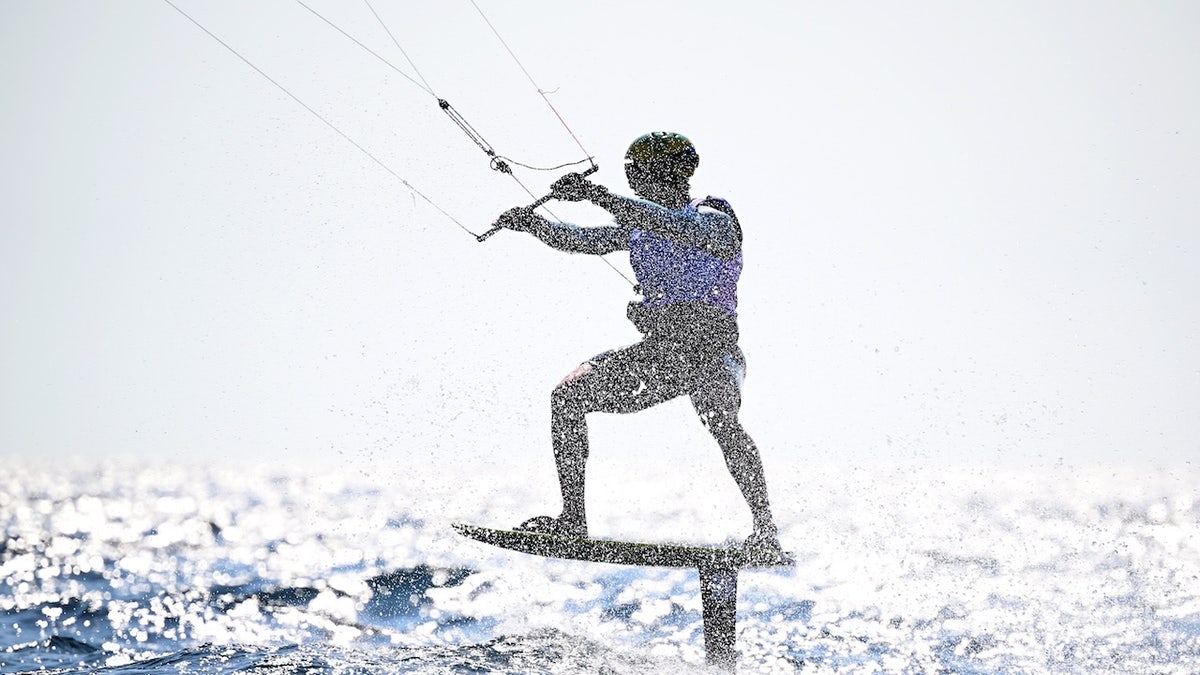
[(665, 151)]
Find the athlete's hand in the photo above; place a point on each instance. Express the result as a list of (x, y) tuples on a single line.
[(573, 187), (519, 219)]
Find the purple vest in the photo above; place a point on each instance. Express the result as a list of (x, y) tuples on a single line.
[(668, 272)]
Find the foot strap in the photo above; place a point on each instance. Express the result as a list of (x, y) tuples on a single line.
[(552, 526)]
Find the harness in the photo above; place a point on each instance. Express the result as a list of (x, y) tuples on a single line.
[(670, 272)]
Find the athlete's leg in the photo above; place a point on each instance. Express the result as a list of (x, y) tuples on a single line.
[(717, 399), (569, 435), (620, 381)]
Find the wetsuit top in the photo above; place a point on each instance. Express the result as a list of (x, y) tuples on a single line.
[(670, 272)]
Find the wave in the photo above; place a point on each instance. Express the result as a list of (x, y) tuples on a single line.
[(544, 651), (149, 571)]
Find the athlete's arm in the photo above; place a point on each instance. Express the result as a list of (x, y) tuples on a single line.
[(715, 232), (565, 236)]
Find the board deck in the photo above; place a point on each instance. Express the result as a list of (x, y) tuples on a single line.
[(626, 552)]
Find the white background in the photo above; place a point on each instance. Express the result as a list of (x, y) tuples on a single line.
[(971, 228)]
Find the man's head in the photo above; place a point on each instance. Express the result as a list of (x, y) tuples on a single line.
[(659, 164)]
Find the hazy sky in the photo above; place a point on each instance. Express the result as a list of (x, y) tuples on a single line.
[(972, 228)]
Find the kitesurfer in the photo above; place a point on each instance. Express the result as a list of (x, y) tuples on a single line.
[(687, 256)]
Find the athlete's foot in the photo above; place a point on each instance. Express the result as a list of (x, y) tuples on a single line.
[(553, 526), (765, 538)]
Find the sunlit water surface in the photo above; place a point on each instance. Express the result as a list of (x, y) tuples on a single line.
[(125, 567)]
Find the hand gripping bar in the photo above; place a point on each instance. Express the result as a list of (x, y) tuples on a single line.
[(496, 228)]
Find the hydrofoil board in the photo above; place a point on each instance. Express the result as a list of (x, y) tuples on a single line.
[(627, 552)]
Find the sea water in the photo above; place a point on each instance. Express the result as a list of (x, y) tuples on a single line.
[(156, 567)]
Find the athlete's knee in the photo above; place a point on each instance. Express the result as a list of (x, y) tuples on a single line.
[(569, 396), (583, 369), (720, 422), (717, 405), (567, 401)]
